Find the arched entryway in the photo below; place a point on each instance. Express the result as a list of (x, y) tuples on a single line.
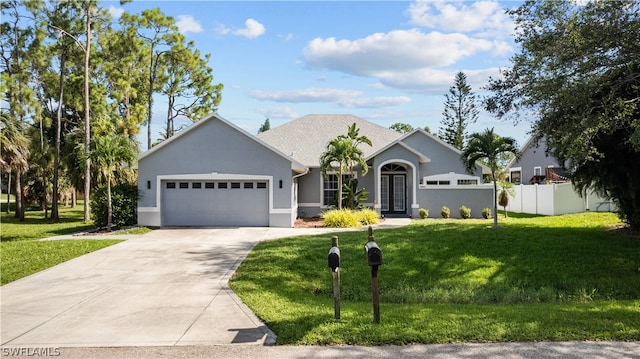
[(393, 189)]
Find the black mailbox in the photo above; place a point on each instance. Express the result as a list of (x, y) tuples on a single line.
[(334, 258), (373, 253)]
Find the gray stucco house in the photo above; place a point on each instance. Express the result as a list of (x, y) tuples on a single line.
[(534, 165), (214, 173)]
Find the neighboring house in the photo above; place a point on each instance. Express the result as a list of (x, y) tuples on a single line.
[(534, 166), (215, 174), (543, 187)]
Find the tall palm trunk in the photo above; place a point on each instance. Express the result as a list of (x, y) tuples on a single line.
[(495, 200), (109, 207), (56, 154), (87, 124), (19, 200)]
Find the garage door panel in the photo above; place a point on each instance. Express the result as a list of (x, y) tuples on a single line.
[(215, 206)]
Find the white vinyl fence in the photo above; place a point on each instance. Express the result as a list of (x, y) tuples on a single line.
[(554, 199)]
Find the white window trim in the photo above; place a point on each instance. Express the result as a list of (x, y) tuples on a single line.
[(451, 177), (354, 174), (537, 168)]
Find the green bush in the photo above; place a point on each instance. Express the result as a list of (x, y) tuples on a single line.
[(340, 218), (445, 212), (367, 216), (348, 218), (465, 212), (486, 213), (424, 213), (124, 200)]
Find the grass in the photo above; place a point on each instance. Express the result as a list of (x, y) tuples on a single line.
[(36, 227), (538, 278), (22, 253), (23, 258)]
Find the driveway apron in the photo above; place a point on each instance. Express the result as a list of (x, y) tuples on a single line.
[(168, 287)]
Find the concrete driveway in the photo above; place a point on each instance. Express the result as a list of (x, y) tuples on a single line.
[(165, 288)]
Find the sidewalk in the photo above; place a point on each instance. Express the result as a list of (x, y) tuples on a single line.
[(539, 350)]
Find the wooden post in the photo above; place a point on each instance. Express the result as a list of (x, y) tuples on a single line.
[(336, 284), (376, 294)]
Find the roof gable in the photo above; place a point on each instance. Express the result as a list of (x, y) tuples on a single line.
[(295, 165), (306, 138)]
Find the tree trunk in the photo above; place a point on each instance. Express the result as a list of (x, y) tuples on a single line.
[(56, 154), (340, 190), (109, 209), (150, 99), (19, 202), (495, 199), (87, 124), (8, 193)]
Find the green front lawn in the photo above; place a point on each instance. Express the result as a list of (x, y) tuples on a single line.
[(36, 227), (21, 251), (542, 278), (23, 258)]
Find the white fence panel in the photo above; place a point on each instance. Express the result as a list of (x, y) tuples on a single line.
[(555, 199)]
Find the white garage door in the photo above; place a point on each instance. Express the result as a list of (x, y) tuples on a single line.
[(215, 203)]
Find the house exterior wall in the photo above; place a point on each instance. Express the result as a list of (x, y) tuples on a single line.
[(534, 156), (310, 192), (476, 198), (214, 147), (444, 159)]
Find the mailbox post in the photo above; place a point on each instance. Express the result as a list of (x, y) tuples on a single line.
[(334, 264), (374, 259)]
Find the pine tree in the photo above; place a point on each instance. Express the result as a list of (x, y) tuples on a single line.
[(460, 111)]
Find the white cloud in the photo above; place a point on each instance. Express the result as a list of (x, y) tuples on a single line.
[(313, 94), (115, 12), (251, 30), (374, 102), (399, 50), (485, 18), (186, 23), (284, 112), (433, 81)]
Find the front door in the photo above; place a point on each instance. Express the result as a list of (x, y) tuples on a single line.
[(393, 193)]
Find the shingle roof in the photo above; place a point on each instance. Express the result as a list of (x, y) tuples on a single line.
[(306, 138)]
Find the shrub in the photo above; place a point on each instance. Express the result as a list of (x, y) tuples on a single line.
[(445, 212), (340, 218), (465, 212), (124, 200), (424, 213), (486, 213), (367, 216)]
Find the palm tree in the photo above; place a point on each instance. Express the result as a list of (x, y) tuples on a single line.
[(14, 147), (109, 154), (343, 152), (488, 146)]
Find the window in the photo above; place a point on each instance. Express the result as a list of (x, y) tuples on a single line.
[(222, 185), (209, 185), (235, 184), (261, 185), (330, 188), (196, 185), (466, 182), (248, 185), (537, 171), (184, 184), (171, 185), (451, 179), (515, 177)]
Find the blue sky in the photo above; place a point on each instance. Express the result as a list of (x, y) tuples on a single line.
[(384, 61)]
